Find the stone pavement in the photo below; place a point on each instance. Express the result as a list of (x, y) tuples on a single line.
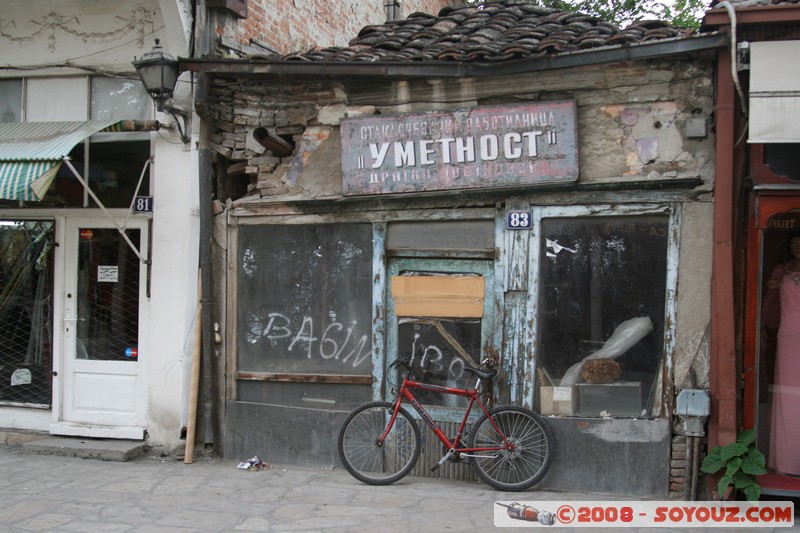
[(158, 493)]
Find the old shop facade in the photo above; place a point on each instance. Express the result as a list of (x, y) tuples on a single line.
[(534, 217)]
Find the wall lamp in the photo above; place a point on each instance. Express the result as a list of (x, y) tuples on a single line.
[(159, 73)]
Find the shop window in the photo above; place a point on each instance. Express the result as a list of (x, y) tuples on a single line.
[(783, 159), (26, 309), (602, 295), (303, 312), (776, 163)]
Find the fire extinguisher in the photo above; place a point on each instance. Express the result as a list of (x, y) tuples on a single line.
[(529, 514)]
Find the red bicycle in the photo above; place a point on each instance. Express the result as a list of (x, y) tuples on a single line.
[(510, 447)]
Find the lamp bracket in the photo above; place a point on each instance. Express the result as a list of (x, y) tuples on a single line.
[(179, 115)]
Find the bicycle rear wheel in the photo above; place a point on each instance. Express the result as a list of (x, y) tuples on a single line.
[(527, 463), (370, 462)]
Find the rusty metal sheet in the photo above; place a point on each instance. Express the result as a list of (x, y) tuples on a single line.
[(484, 147)]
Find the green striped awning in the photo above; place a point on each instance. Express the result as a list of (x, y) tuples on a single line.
[(31, 154)]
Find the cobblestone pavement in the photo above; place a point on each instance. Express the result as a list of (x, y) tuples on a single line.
[(162, 494)]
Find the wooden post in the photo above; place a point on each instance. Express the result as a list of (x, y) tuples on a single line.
[(197, 351)]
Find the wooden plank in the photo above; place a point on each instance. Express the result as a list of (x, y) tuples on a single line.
[(303, 378), (440, 296)]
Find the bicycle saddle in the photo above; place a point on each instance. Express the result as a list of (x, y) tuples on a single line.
[(483, 374)]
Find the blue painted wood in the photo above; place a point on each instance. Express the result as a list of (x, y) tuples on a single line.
[(378, 309)]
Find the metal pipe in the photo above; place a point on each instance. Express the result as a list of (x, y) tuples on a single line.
[(687, 483), (695, 466)]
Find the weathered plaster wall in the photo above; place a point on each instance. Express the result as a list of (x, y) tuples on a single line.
[(92, 34), (632, 121), (691, 361)]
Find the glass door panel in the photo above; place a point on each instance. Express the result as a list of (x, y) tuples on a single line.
[(107, 295)]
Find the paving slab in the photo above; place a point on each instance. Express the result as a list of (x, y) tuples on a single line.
[(158, 492)]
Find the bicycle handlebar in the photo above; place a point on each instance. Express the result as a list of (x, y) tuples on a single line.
[(489, 363)]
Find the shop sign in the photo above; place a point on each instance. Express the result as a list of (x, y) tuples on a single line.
[(485, 147)]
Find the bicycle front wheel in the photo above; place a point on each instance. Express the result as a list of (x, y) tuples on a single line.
[(379, 463), (527, 462)]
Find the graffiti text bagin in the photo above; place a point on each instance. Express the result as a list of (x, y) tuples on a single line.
[(352, 349)]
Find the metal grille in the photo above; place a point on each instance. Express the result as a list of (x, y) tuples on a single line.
[(26, 312), (432, 452)]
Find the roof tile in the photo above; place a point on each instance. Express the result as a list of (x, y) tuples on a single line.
[(494, 31)]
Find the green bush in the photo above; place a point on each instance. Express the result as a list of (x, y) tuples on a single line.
[(741, 461)]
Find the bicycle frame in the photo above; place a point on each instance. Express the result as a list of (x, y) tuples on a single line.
[(454, 446)]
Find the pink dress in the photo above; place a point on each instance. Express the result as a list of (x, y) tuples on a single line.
[(785, 431)]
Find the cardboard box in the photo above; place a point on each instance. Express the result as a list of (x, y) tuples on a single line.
[(560, 401), (623, 398)]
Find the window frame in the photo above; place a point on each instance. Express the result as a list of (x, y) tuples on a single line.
[(539, 213), (85, 147)]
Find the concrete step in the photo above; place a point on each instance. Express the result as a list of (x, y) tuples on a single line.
[(86, 448)]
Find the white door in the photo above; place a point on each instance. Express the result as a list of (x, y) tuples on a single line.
[(102, 393)]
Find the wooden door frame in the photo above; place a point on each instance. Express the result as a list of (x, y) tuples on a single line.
[(763, 206)]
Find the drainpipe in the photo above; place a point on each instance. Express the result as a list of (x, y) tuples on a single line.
[(205, 192), (723, 426)]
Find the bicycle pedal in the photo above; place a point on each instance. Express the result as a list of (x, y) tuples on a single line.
[(435, 467)]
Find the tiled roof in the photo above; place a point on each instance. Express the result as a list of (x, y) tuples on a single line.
[(752, 3), (495, 31)]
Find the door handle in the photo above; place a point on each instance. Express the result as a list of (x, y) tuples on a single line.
[(68, 322)]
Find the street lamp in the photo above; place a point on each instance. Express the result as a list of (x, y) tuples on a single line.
[(159, 73)]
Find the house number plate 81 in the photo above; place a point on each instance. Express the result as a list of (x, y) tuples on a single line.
[(143, 204)]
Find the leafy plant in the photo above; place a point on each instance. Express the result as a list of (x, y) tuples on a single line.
[(741, 461)]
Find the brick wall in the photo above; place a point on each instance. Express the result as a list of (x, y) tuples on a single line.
[(298, 25)]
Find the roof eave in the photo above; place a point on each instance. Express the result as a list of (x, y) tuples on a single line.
[(249, 68), (753, 15)]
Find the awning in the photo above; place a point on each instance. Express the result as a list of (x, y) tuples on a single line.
[(32, 152), (774, 101)]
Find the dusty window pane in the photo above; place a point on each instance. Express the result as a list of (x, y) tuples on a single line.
[(436, 348), (56, 99), (304, 299), (120, 99), (597, 274), (10, 100)]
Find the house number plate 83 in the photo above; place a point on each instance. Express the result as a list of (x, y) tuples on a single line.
[(518, 219)]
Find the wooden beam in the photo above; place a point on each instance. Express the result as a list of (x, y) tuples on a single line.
[(303, 378)]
